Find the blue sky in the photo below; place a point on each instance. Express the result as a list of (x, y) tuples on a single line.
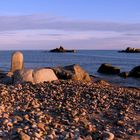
[(80, 24)]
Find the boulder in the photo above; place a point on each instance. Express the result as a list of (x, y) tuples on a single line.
[(21, 76), (34, 76), (135, 72), (108, 69), (124, 74), (17, 62), (42, 75), (73, 72), (62, 73)]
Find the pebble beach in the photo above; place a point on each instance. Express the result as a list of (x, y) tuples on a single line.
[(67, 109)]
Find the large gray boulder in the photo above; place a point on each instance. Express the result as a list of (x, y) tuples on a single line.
[(135, 72), (108, 69), (73, 72), (34, 76), (17, 61)]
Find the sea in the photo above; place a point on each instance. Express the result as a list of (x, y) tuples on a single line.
[(89, 60)]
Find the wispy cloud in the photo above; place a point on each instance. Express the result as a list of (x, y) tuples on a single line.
[(41, 31), (27, 22)]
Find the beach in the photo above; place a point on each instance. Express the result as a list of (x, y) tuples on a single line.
[(67, 109)]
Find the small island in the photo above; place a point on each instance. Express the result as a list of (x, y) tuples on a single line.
[(130, 50), (62, 50)]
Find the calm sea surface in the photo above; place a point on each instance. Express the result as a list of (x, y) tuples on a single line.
[(90, 60)]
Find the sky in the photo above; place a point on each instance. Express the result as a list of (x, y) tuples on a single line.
[(74, 24)]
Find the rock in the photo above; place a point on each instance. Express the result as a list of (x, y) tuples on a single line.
[(108, 69), (42, 75), (62, 73), (124, 74), (131, 50), (17, 62), (135, 72), (73, 72), (24, 136), (21, 76), (102, 82), (34, 76), (41, 126), (62, 50), (108, 135)]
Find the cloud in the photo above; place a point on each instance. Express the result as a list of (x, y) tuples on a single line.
[(32, 22), (45, 32)]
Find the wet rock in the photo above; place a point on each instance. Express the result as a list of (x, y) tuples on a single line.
[(124, 74), (108, 69), (135, 72)]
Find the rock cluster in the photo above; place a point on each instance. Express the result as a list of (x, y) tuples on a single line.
[(109, 69), (73, 72), (131, 50), (34, 76), (18, 74), (68, 110), (62, 50)]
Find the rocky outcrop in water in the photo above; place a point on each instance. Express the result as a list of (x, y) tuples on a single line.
[(62, 50), (108, 69), (135, 72), (131, 50)]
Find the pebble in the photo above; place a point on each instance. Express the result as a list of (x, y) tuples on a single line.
[(24, 136), (108, 135), (68, 110)]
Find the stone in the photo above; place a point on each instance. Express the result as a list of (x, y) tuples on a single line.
[(124, 74), (102, 82), (17, 62), (135, 72), (73, 72), (41, 126), (108, 69), (42, 75), (108, 135), (34, 76), (24, 136)]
